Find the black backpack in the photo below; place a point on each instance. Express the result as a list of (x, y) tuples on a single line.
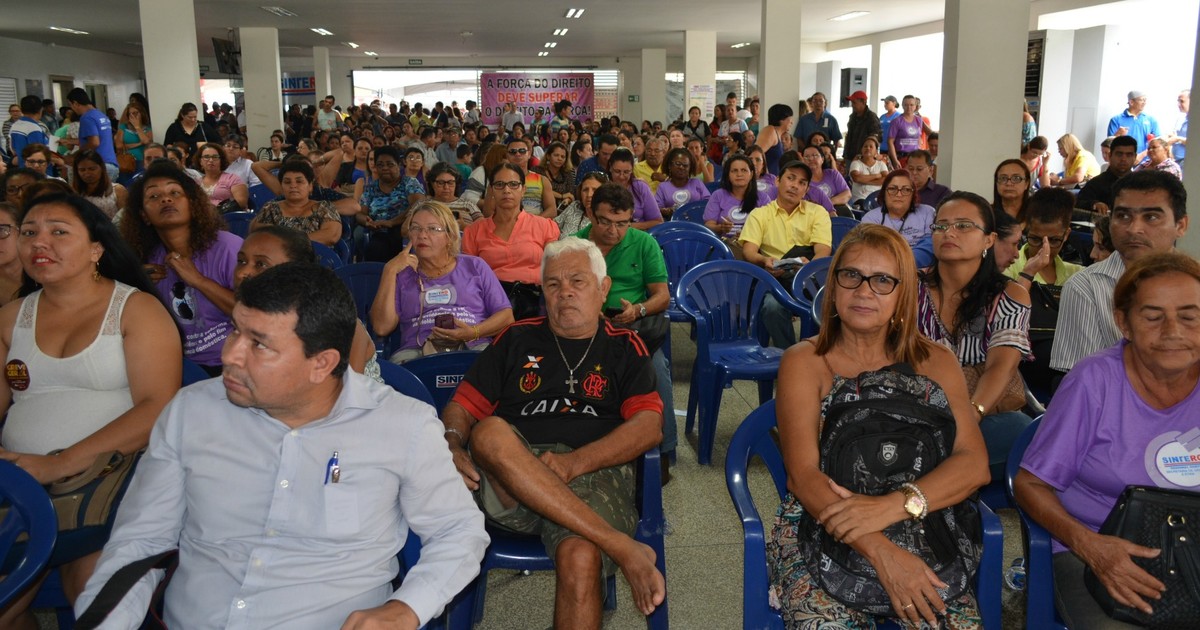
[(880, 430)]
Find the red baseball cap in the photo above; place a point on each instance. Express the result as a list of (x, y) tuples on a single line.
[(858, 96)]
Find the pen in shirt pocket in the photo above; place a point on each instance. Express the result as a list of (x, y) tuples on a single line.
[(333, 472)]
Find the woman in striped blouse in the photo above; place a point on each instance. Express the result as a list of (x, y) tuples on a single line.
[(966, 304)]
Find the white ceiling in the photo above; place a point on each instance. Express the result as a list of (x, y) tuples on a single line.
[(429, 29)]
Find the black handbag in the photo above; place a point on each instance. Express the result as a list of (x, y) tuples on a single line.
[(1166, 519)]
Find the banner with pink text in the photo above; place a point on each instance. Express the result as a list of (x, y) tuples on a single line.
[(533, 91)]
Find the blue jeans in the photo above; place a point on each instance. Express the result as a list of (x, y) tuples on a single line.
[(1000, 430)]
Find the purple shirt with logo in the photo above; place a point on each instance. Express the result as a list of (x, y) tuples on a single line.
[(907, 135), (471, 293), (204, 325), (722, 205), (669, 196), (1099, 436)]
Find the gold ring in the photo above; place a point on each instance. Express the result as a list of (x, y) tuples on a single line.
[(907, 607)]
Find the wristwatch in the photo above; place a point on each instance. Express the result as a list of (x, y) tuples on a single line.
[(914, 501), (641, 310)]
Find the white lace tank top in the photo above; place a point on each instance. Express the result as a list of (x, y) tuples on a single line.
[(107, 203), (58, 402)]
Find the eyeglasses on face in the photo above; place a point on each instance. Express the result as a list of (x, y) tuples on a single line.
[(6, 230), (959, 226), (444, 182), (898, 191), (509, 185), (880, 283), (606, 223), (1035, 240), (518, 151), (431, 229), (1010, 179)]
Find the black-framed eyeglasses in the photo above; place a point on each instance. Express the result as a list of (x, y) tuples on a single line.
[(606, 223), (444, 182), (880, 283), (1036, 241), (959, 226), (1010, 179), (508, 185), (896, 191)]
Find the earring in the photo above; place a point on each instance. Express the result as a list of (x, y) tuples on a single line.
[(96, 272), (984, 254)]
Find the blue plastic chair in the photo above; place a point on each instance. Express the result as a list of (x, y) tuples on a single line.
[(328, 257), (724, 298), (683, 249), (260, 194), (818, 302), (872, 201), (343, 250), (753, 439), (193, 373), (520, 552), (441, 373), (405, 382), (807, 282), (363, 281), (348, 225), (677, 226), (692, 212), (713, 185), (841, 227), (30, 512), (1039, 554), (238, 222)]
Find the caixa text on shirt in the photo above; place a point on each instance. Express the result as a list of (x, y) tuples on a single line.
[(557, 405)]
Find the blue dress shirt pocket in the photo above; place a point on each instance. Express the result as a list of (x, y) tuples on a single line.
[(341, 510)]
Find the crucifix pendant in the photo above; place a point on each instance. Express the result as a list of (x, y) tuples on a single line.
[(570, 383)]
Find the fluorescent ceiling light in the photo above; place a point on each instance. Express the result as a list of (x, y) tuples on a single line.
[(321, 31), (550, 45), (559, 32), (543, 54), (280, 11), (574, 13), (848, 16), (351, 44), (63, 29), (741, 45), (371, 53)]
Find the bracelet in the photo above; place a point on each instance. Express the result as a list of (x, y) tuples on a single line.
[(1026, 276), (476, 329), (461, 438), (921, 495)]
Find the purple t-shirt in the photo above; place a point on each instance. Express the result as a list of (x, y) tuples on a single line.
[(644, 206), (669, 196), (723, 205), (1099, 436), (768, 183), (906, 134), (817, 196), (832, 183), (471, 293), (204, 325), (95, 123)]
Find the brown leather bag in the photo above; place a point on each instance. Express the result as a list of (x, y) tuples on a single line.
[(1013, 398)]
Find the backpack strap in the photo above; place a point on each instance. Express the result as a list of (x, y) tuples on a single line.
[(117, 586)]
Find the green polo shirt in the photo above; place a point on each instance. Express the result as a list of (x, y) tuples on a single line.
[(634, 263), (1062, 269)]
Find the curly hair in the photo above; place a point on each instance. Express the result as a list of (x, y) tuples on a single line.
[(144, 238)]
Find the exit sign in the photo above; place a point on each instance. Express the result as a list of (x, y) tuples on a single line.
[(633, 98), (416, 62)]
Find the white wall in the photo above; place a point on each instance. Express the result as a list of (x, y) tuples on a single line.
[(22, 59), (913, 66)]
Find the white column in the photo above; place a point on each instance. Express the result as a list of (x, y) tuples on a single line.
[(323, 80), (654, 84), (983, 66), (261, 77), (874, 100), (631, 85), (829, 82), (1057, 67), (1190, 243), (170, 57), (700, 66), (779, 60)]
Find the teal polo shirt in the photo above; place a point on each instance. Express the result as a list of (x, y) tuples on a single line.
[(633, 263)]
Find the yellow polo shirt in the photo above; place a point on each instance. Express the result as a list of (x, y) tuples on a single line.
[(776, 231), (642, 171), (1062, 269)]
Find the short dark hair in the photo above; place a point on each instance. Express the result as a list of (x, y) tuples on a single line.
[(296, 244), (298, 166), (731, 95), (1123, 141), (388, 150), (621, 155), (1050, 205), (30, 104), (778, 112), (325, 314), (1147, 181), (80, 96), (437, 171), (609, 139), (923, 154), (427, 131), (618, 198)]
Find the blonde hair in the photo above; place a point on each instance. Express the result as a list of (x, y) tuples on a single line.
[(904, 341), (445, 217), (1070, 145)]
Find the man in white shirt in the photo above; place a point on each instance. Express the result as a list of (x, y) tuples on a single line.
[(239, 164), (290, 484), (511, 117)]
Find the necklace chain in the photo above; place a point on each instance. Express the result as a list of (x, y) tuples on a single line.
[(570, 382)]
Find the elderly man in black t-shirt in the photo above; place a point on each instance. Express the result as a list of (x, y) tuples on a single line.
[(554, 412)]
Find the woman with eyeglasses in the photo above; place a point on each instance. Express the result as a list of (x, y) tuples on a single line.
[(1011, 186), (511, 241), (384, 207), (39, 158), (900, 209), (10, 262), (447, 301), (538, 197), (680, 188), (178, 234), (825, 178), (297, 210), (966, 304), (444, 180), (646, 212), (868, 331), (92, 359), (218, 185)]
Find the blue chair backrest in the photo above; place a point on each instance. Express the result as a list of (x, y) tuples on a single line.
[(260, 195), (363, 281), (841, 227), (673, 226), (713, 185), (193, 373), (328, 257), (692, 211), (405, 382), (818, 302), (805, 285), (343, 251), (1016, 453), (31, 512), (442, 372), (683, 249), (723, 297), (872, 200), (239, 222)]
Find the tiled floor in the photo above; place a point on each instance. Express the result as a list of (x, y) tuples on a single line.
[(704, 547)]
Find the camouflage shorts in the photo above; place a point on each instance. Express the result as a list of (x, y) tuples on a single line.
[(609, 492)]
